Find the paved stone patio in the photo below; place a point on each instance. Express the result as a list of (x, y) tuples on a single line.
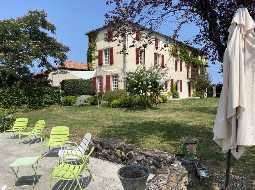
[(105, 173)]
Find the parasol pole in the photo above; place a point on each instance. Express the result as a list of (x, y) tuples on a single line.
[(228, 162)]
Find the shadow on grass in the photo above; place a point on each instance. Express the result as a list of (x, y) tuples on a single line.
[(159, 132)]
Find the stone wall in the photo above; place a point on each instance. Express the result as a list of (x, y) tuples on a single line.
[(169, 173)]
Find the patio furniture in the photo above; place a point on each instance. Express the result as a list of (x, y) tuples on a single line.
[(25, 162), (71, 171), (19, 125), (36, 132), (58, 137), (75, 152)]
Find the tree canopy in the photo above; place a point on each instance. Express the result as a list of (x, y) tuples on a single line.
[(26, 41), (212, 17)]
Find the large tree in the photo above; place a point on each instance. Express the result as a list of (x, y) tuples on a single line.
[(26, 42), (212, 17)]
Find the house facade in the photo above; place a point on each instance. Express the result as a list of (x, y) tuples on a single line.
[(111, 65)]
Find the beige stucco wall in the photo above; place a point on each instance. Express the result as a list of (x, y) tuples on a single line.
[(56, 77), (117, 67)]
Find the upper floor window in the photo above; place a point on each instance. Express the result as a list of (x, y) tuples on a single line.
[(107, 56), (156, 42), (115, 82), (109, 35), (140, 56)]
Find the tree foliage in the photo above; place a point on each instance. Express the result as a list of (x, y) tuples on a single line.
[(28, 41), (202, 83), (212, 17)]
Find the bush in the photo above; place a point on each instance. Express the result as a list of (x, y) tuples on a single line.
[(92, 100), (163, 99), (175, 94), (77, 87), (113, 95), (33, 97), (69, 100), (116, 104)]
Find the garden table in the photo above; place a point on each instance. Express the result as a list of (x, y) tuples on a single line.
[(25, 162)]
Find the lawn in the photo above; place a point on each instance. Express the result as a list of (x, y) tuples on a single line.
[(158, 128)]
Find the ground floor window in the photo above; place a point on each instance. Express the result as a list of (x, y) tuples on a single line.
[(115, 82), (99, 84)]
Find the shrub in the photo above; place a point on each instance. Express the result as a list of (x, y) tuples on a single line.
[(163, 99), (33, 97), (116, 103), (146, 84), (77, 87), (175, 94), (113, 95), (92, 100), (69, 100)]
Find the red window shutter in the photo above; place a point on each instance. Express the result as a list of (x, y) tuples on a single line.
[(111, 56), (108, 83), (162, 61), (100, 57), (176, 65), (137, 52), (180, 85), (94, 82), (181, 65), (156, 43), (102, 83), (137, 35), (155, 58)]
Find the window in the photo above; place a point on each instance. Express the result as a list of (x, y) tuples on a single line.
[(115, 82), (157, 58), (176, 64), (142, 57), (99, 84), (107, 56)]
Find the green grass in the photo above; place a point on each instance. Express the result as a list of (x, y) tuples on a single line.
[(158, 128)]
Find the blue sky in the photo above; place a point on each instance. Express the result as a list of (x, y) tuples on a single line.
[(74, 18)]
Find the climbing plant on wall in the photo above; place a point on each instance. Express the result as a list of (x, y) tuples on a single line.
[(91, 53), (186, 54)]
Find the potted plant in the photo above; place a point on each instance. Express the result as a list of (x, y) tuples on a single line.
[(133, 177)]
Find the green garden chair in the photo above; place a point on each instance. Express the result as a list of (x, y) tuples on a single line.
[(19, 126), (59, 135), (70, 171), (36, 132)]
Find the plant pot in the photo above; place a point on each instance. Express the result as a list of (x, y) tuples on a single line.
[(133, 177)]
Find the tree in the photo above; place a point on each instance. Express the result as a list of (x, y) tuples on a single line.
[(25, 42), (212, 17), (145, 83), (202, 83)]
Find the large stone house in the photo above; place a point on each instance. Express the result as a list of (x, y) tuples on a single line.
[(111, 65)]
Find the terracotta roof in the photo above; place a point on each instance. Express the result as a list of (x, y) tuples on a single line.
[(73, 65)]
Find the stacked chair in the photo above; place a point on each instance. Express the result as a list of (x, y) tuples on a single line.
[(36, 132)]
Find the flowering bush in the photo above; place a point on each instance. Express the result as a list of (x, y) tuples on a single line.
[(146, 84)]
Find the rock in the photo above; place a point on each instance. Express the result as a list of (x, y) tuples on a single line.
[(175, 177)]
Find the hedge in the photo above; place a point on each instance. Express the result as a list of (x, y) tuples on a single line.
[(77, 87), (34, 97)]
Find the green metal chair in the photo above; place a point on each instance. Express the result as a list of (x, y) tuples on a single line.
[(19, 126), (69, 171), (36, 132), (58, 137)]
